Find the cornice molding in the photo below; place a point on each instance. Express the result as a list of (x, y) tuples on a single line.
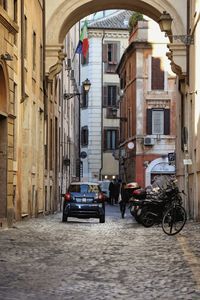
[(116, 35)]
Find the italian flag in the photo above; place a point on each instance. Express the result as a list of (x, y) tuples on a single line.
[(83, 44)]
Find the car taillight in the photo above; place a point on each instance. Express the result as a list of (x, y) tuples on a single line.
[(67, 196), (101, 197)]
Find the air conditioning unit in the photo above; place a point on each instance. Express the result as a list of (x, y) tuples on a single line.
[(148, 141)]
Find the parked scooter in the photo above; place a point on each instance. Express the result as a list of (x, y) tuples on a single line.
[(135, 194), (136, 203), (152, 198), (150, 207)]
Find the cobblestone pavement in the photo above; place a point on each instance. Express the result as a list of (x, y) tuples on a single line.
[(44, 258)]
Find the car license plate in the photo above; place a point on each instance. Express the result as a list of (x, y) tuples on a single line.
[(84, 200)]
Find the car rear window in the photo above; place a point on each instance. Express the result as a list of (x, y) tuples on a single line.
[(84, 188)]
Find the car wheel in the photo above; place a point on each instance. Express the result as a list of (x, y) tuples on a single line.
[(64, 218), (102, 219)]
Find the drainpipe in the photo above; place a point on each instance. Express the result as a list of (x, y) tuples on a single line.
[(22, 53), (188, 46), (79, 112), (44, 44), (103, 36)]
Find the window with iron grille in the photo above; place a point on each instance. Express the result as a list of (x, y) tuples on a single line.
[(158, 121), (110, 139), (84, 136)]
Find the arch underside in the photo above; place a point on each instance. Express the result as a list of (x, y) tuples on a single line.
[(69, 12)]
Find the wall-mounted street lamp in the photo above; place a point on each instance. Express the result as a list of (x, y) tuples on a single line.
[(114, 114), (6, 57), (165, 23), (86, 86)]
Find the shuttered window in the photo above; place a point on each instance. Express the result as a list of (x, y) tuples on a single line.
[(110, 56), (158, 121), (110, 93), (110, 139), (157, 74)]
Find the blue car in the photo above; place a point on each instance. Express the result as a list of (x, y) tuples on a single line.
[(84, 200)]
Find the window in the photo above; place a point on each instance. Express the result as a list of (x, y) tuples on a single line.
[(110, 95), (25, 36), (84, 136), (15, 11), (158, 121), (41, 64), (4, 4), (34, 50), (110, 56), (157, 74), (110, 139), (15, 120)]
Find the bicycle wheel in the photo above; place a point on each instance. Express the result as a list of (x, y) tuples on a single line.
[(174, 220)]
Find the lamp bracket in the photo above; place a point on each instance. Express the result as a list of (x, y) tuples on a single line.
[(68, 96), (186, 39), (6, 57)]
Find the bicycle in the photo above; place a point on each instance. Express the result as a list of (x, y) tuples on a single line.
[(174, 219)]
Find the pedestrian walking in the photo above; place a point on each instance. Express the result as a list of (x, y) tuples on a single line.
[(124, 199), (116, 190), (112, 192)]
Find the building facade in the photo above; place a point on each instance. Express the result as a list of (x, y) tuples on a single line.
[(70, 111), (8, 31), (108, 37), (22, 109), (148, 106)]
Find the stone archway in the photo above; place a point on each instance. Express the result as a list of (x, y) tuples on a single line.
[(3, 145), (63, 14)]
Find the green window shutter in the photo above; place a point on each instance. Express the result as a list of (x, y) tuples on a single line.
[(167, 121), (149, 121)]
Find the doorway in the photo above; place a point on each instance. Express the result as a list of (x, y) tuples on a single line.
[(3, 166), (3, 146)]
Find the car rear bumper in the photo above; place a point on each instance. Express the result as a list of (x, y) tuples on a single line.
[(83, 210)]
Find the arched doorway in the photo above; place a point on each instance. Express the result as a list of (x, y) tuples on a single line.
[(159, 166), (3, 145)]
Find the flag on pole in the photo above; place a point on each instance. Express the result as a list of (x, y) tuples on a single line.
[(83, 44)]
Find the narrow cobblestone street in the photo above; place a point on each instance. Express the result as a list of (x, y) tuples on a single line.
[(44, 258)]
